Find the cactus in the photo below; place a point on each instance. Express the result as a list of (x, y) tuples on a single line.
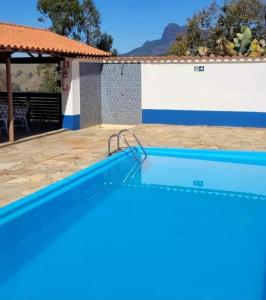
[(242, 45), (244, 40), (257, 48), (229, 48)]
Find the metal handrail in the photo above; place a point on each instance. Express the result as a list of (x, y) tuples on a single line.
[(119, 136), (109, 143), (135, 137)]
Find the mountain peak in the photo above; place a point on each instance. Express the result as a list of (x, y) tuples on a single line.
[(170, 32), (161, 46)]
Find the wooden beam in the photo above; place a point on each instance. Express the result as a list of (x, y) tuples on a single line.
[(34, 60), (42, 52), (3, 55), (31, 55), (11, 133)]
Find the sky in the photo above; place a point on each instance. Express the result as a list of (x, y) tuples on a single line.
[(131, 23)]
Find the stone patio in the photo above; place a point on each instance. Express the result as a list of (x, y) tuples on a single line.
[(28, 166)]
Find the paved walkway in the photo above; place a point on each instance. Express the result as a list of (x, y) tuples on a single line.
[(29, 166)]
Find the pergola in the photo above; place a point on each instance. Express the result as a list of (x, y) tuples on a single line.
[(40, 46)]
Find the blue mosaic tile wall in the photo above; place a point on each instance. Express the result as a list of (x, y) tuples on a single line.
[(121, 94), (90, 94), (110, 94)]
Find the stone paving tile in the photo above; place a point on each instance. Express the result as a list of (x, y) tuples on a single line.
[(31, 165)]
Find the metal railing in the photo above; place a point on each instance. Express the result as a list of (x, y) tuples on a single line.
[(120, 137), (43, 107)]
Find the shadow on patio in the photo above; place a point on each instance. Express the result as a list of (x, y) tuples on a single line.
[(35, 129)]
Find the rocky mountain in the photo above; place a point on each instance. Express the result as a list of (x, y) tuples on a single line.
[(158, 47)]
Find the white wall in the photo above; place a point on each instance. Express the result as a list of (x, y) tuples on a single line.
[(71, 96), (226, 86)]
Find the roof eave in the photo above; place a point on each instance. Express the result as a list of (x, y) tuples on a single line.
[(10, 49)]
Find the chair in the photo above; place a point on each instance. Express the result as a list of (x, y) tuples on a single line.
[(4, 115), (20, 114)]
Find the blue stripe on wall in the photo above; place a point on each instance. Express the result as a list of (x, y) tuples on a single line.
[(71, 122), (212, 118)]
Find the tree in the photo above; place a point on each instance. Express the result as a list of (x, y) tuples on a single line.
[(76, 19), (89, 27), (15, 86), (201, 28), (2, 80), (201, 32), (236, 14), (104, 42), (90, 21), (64, 16), (49, 78), (221, 23), (180, 46)]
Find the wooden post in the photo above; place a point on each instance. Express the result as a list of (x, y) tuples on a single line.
[(10, 99)]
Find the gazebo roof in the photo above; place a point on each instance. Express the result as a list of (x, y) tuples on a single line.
[(28, 39)]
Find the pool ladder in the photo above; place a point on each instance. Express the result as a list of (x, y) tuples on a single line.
[(121, 137)]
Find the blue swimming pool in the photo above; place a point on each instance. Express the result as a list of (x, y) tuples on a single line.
[(185, 224)]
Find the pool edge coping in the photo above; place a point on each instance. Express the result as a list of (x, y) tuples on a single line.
[(190, 153)]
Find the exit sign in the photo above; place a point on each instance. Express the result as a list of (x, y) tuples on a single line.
[(199, 69)]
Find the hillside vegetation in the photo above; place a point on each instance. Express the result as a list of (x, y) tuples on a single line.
[(30, 78), (233, 28)]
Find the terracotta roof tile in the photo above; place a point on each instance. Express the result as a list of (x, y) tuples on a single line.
[(181, 59), (22, 38), (176, 59)]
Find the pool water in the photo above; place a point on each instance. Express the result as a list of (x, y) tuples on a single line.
[(181, 225)]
